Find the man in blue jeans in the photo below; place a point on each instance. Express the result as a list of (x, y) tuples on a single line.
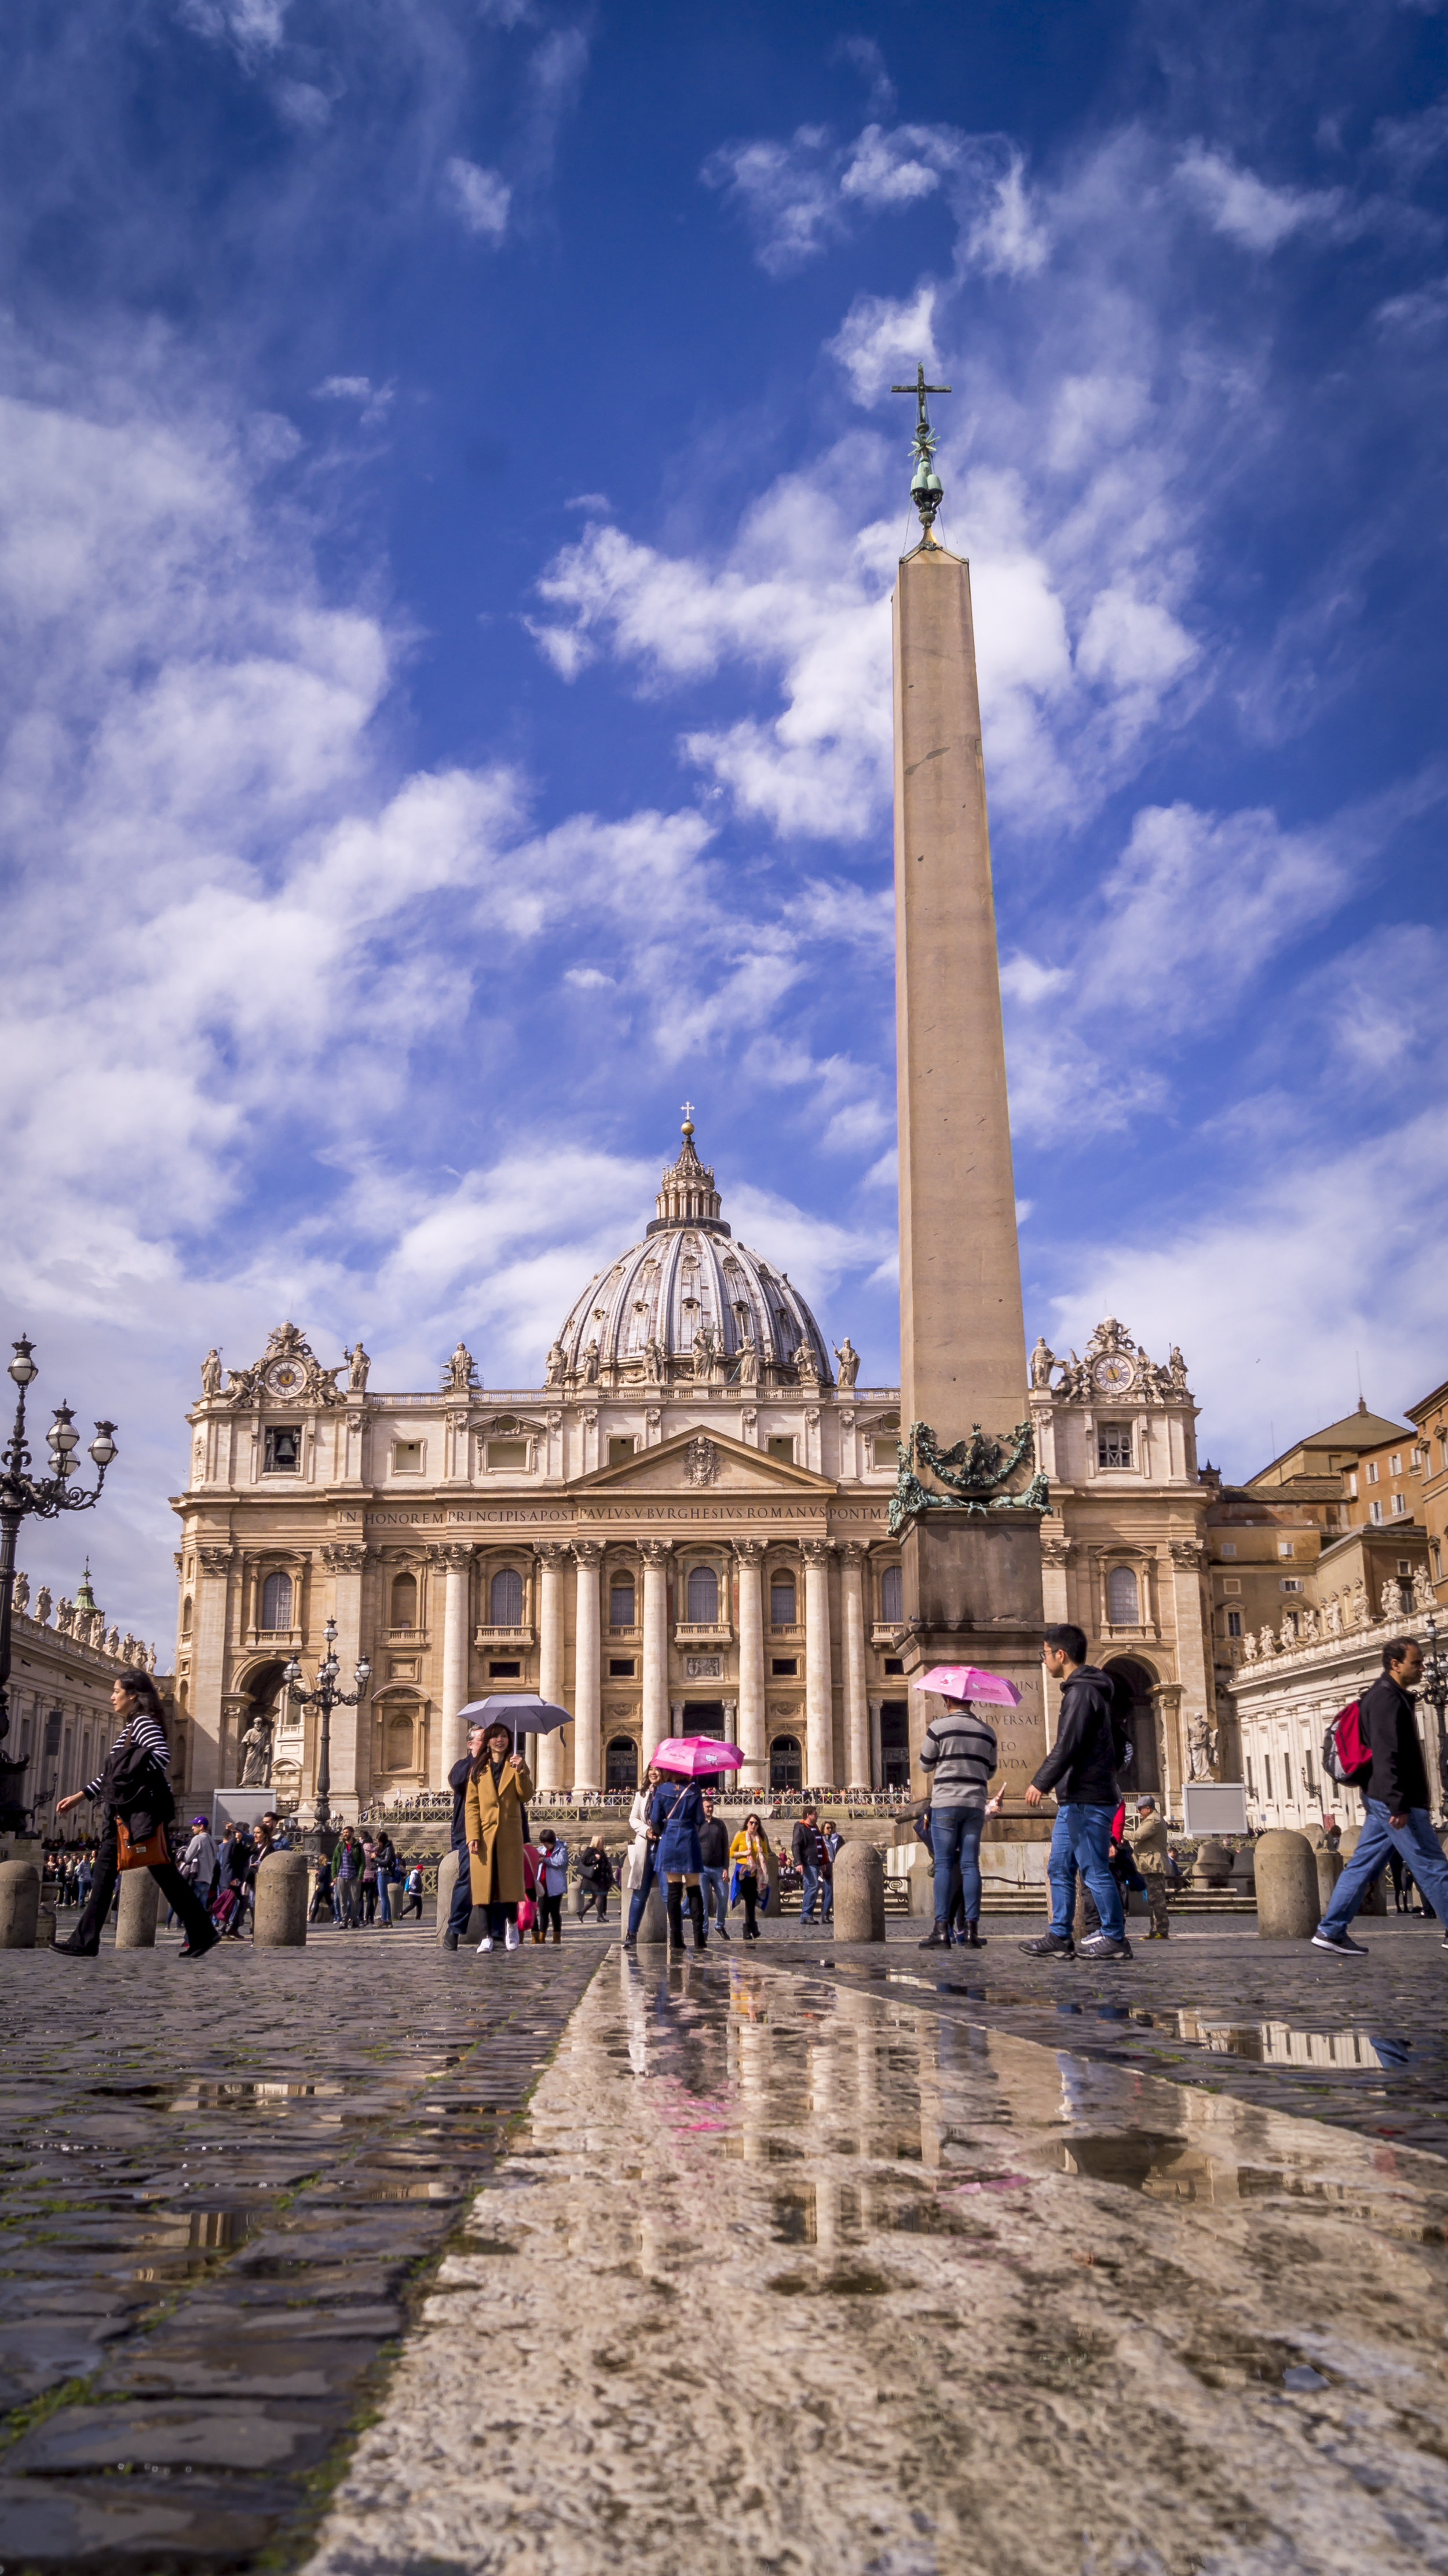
[(1395, 1792), (1081, 1768), (959, 1752)]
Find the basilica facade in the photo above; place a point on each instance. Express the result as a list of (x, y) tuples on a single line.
[(685, 1529)]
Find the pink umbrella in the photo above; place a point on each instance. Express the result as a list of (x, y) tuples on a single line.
[(692, 1754), (967, 1681)]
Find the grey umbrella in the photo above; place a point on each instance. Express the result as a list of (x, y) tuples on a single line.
[(522, 1712)]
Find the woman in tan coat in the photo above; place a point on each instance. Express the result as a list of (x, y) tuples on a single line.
[(493, 1812)]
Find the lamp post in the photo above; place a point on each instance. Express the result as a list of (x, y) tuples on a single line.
[(1435, 1691), (325, 1698), (23, 1496)]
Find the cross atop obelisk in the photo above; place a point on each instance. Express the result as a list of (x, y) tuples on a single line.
[(926, 489), (966, 1509)]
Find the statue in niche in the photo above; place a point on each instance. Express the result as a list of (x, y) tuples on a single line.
[(257, 1754), (849, 1360), (211, 1373), (1202, 1748), (21, 1594), (358, 1365), (553, 1373), (462, 1373), (1043, 1360)]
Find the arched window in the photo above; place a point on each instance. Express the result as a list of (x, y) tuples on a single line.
[(621, 1601), (892, 1596), (621, 1763), (276, 1601), (781, 1600), (404, 1601), (703, 1596), (786, 1771), (506, 1598), (186, 1616), (1123, 1603)]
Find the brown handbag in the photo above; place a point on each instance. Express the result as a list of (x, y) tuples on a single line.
[(153, 1853)]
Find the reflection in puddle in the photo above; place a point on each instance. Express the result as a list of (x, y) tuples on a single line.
[(1273, 2043)]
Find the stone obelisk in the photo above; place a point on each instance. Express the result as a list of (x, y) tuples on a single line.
[(970, 1544)]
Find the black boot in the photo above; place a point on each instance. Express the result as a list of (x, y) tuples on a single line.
[(675, 1910), (696, 1917), (973, 1939)]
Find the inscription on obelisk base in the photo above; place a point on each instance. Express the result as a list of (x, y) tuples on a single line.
[(966, 1506)]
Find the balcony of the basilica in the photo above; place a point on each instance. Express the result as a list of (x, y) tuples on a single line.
[(508, 1641), (703, 1632)]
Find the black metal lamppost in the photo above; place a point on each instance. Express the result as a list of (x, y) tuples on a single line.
[(326, 1697), (1434, 1688), (23, 1496)]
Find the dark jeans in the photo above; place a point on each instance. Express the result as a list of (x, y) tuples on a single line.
[(749, 1891), (550, 1910), (640, 1896), (1419, 1847), (499, 1916), (460, 1911), (411, 1904), (1081, 1839), (955, 1834), (179, 1893)]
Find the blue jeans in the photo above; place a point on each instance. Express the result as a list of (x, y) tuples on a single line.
[(384, 1897), (1419, 1846), (640, 1896), (461, 1909), (955, 1834), (716, 1896), (1081, 1839), (815, 1885)]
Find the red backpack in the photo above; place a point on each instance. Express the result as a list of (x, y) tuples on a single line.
[(1345, 1756)]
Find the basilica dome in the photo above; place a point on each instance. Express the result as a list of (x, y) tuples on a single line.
[(690, 1302)]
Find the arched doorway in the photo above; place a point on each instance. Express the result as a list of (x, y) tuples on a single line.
[(786, 1764), (1144, 1769), (621, 1763)]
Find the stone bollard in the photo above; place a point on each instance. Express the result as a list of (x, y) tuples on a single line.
[(19, 1904), (859, 1892), (140, 1906), (1287, 1901), (922, 1884), (447, 1879), (1375, 1900), (654, 1921), (280, 1919), (1213, 1864), (1329, 1871)]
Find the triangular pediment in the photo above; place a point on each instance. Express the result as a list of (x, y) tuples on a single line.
[(702, 1460)]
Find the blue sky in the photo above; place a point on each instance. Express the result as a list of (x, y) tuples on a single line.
[(449, 497)]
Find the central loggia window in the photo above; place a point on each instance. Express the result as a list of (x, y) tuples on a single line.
[(505, 1598), (621, 1603), (781, 1601), (276, 1601), (703, 1596), (1123, 1597)]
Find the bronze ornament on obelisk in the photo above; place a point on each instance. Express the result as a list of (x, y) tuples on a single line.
[(968, 1504)]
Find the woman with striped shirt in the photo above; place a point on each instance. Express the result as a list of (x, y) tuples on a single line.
[(137, 1704)]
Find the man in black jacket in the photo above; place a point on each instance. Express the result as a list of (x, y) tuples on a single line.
[(1081, 1768), (1395, 1793), (462, 1895)]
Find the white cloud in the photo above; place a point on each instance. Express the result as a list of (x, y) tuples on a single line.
[(1246, 209), (373, 401), (481, 197), (1009, 238), (252, 26), (788, 193), (880, 336)]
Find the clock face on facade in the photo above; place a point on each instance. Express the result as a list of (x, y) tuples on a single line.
[(286, 1377), (1114, 1373)]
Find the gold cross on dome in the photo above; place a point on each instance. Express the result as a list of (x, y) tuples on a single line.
[(688, 1117)]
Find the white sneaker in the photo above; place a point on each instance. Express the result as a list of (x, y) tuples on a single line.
[(486, 1942), (510, 1936)]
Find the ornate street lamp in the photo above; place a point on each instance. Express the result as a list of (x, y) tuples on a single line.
[(43, 1497), (326, 1697), (1435, 1691)]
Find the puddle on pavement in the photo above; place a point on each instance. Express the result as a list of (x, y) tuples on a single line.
[(1276, 2043)]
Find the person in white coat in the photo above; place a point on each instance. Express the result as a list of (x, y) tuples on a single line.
[(638, 1867)]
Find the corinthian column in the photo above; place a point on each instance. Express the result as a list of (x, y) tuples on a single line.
[(588, 1675), (819, 1760), (750, 1552), (549, 1557), (456, 1562), (857, 1706), (655, 1554)]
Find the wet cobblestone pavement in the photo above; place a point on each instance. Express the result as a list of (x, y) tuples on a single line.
[(219, 2187), (787, 2273)]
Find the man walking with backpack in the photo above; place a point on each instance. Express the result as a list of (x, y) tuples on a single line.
[(1081, 1768), (1394, 1786)]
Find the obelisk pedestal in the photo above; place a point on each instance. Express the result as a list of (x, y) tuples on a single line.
[(972, 1578)]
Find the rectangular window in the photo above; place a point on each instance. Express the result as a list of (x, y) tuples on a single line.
[(1399, 1506), (1375, 1508), (621, 1445), (1311, 1775), (620, 1668), (1415, 1462), (1352, 1488), (508, 1453), (1232, 1583), (1284, 1547), (1291, 1583), (781, 1445), (781, 1602), (1234, 1623), (1267, 1776), (283, 1452), (1372, 1471), (1436, 1553), (1229, 1547), (1395, 1463), (1113, 1444), (784, 1667), (1251, 1783), (1403, 1566), (407, 1457), (620, 1605), (885, 1447), (510, 1672)]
